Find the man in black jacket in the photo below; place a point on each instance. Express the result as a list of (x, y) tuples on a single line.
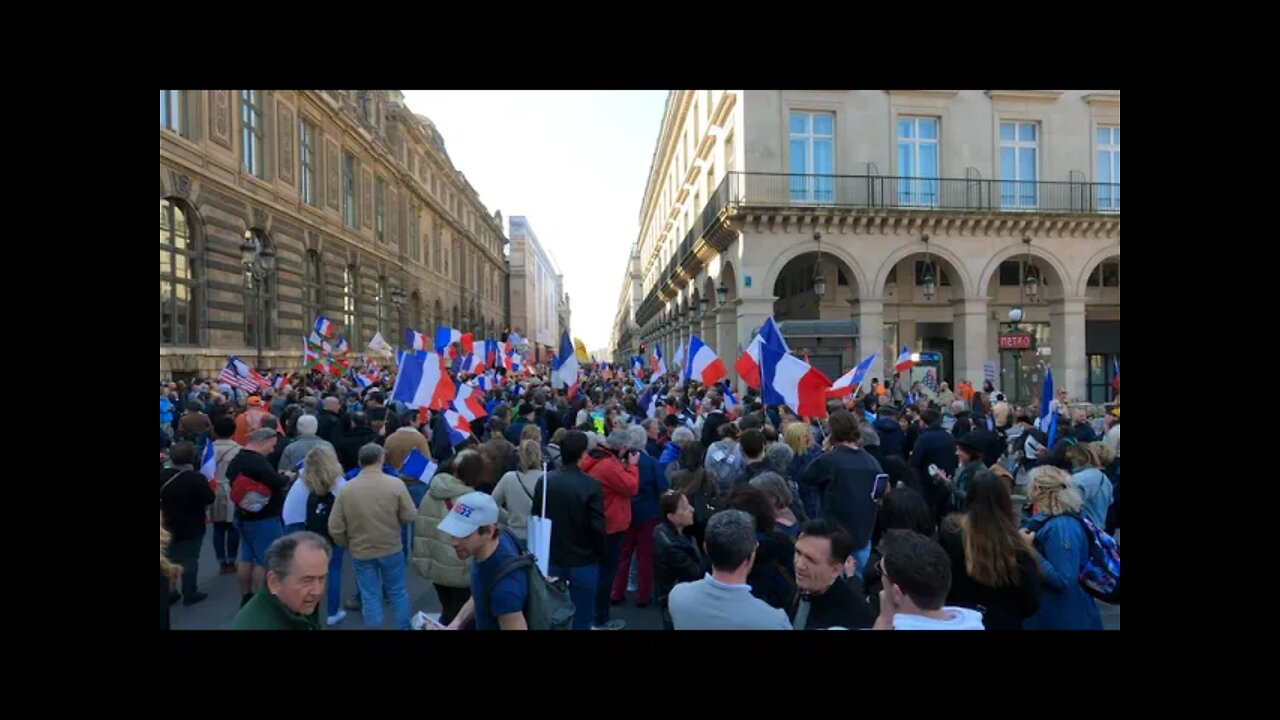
[(846, 476), (963, 423), (826, 600), (332, 425), (263, 526), (935, 446), (184, 495), (752, 443), (575, 506), (714, 419), (361, 434), (891, 435)]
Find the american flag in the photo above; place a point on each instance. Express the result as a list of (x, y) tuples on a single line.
[(931, 380), (231, 376)]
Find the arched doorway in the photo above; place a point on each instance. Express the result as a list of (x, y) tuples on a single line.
[(1102, 327), (815, 292), (921, 286), (1021, 372), (437, 317)]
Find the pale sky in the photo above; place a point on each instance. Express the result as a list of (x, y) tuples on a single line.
[(574, 163)]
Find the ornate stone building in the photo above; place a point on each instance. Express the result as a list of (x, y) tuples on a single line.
[(370, 223)]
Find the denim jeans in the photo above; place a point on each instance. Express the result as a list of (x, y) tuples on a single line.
[(333, 588), (226, 542), (256, 536), (417, 491), (582, 590), (375, 575), (608, 566)]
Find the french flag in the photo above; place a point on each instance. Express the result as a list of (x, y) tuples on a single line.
[(904, 360), (324, 327), (448, 336), (749, 364), (704, 365), (459, 427), (730, 400), (423, 382), (468, 364), (416, 340), (659, 365), (343, 347), (649, 402), (486, 381), (637, 365), (677, 361), (852, 380), (793, 382), (1115, 381), (279, 382), (469, 403), (494, 352), (567, 373), (208, 468), (363, 381)]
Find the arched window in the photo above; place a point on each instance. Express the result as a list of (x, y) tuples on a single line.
[(179, 284), (268, 298)]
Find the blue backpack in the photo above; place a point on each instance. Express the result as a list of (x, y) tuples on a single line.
[(1100, 576)]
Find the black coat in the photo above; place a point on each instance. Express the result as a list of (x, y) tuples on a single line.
[(842, 605), (1084, 433), (1002, 608), (711, 427), (845, 477), (963, 425), (331, 427), (575, 505), (891, 436), (909, 439), (349, 447), (773, 577), (184, 495), (935, 446), (676, 559)]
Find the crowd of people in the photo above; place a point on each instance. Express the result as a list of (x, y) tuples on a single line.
[(895, 511)]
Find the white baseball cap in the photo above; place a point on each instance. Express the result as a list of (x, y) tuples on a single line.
[(470, 513)]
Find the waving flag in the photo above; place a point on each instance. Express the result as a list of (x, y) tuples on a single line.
[(904, 360), (279, 382), (659, 365), (749, 364), (423, 382), (704, 365), (649, 402), (237, 374), (417, 340), (448, 336), (459, 428), (793, 382), (324, 327), (486, 381), (342, 347), (380, 347), (730, 400), (208, 467), (1048, 408), (852, 380), (677, 360), (1115, 381), (469, 403), (637, 365), (579, 350), (567, 373)]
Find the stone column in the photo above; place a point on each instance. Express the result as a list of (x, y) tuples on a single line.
[(751, 314), (1067, 355), (971, 342), (868, 312), (727, 338), (708, 330)]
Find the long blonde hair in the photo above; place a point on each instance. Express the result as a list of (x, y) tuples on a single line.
[(797, 437), (1050, 490), (320, 470), (167, 566)]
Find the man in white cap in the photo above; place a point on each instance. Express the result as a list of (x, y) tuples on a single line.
[(473, 526)]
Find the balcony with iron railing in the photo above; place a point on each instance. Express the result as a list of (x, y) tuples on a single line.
[(740, 190)]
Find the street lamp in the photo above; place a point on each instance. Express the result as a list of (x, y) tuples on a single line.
[(927, 282), (819, 281), (702, 305), (259, 261), (397, 299), (722, 293), (1031, 283)]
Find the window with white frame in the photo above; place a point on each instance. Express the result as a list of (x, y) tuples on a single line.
[(380, 210), (252, 131), (349, 189), (918, 161), (1019, 164), (1109, 168), (307, 156), (173, 111), (813, 156)]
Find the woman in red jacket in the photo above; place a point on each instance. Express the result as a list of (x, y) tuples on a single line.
[(617, 470)]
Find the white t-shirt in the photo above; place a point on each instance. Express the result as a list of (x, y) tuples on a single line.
[(295, 503)]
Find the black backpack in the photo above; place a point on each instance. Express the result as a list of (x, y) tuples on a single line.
[(548, 605), (319, 507)]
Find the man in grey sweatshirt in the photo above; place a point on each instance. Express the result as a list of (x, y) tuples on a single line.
[(722, 600)]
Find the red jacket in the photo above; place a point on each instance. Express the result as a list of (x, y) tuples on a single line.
[(618, 485)]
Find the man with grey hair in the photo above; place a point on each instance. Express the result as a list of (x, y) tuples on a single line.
[(722, 600), (297, 570), (960, 422), (366, 518), (680, 437), (653, 442), (307, 439)]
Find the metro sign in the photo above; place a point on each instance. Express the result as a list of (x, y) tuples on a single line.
[(1016, 341)]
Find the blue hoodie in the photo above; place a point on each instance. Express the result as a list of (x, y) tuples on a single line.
[(653, 482), (670, 454), (892, 439)]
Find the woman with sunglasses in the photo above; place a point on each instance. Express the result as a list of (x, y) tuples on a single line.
[(675, 556)]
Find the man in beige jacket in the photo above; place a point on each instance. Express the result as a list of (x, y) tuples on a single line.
[(366, 518)]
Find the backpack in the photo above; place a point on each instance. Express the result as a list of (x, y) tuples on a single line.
[(248, 494), (1100, 576), (319, 507), (548, 605)]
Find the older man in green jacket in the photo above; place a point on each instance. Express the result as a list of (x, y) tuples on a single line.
[(297, 569)]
